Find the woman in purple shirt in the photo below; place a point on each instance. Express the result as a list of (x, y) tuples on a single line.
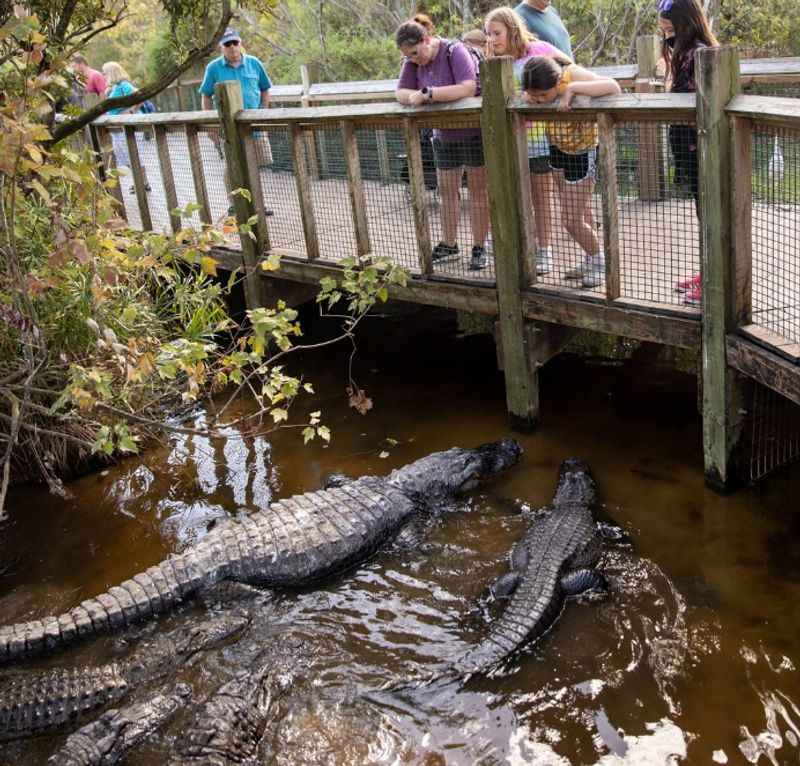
[(438, 70)]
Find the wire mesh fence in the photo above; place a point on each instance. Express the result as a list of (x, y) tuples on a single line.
[(773, 432), (776, 230)]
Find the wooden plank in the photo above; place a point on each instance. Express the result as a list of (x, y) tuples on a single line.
[(158, 118), (544, 341), (723, 392), (355, 187), (167, 177), (198, 174), (384, 165), (503, 178), (304, 193), (766, 108), (649, 137), (741, 176), (616, 319), (609, 193), (138, 179), (311, 135), (770, 340), (257, 190), (763, 366), (526, 211), (419, 205), (661, 107), (228, 96)]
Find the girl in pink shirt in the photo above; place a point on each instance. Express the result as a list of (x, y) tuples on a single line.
[(507, 35)]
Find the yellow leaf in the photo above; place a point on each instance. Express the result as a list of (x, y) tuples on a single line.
[(271, 263), (208, 265)]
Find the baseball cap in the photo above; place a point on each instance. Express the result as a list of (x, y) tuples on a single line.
[(229, 35)]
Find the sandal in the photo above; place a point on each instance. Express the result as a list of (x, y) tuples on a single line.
[(688, 285)]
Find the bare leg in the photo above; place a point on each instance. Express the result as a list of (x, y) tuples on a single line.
[(449, 188), (575, 199), (542, 193), (478, 204)]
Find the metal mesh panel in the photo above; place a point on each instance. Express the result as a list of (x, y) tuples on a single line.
[(384, 170), (774, 432), (178, 148), (216, 176), (149, 162), (776, 230), (659, 231), (782, 89), (459, 211), (279, 187)]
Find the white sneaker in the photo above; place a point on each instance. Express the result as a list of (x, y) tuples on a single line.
[(544, 260), (593, 273)]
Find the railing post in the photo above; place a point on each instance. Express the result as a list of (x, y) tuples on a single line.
[(609, 191), (167, 176), (304, 198), (310, 135), (229, 104), (502, 165), (650, 141), (138, 178), (355, 186), (717, 75), (416, 186), (198, 174), (109, 161)]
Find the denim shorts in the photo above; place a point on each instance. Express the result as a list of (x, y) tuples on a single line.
[(448, 155), (576, 167)]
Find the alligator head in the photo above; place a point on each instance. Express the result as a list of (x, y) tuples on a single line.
[(444, 474), (575, 484)]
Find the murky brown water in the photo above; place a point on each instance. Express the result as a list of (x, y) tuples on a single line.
[(695, 651)]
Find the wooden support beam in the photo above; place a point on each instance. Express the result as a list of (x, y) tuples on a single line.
[(526, 211), (139, 179), (544, 340), (198, 174), (610, 197), (310, 135), (650, 140), (765, 367), (503, 172), (252, 159), (167, 177), (384, 165), (304, 194), (724, 394), (355, 186), (228, 96), (109, 162), (419, 206)]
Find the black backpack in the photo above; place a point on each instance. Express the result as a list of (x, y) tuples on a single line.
[(477, 57)]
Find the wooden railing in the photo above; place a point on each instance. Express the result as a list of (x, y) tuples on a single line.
[(527, 306)]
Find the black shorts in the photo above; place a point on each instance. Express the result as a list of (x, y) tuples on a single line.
[(576, 167), (448, 155), (539, 165), (683, 145)]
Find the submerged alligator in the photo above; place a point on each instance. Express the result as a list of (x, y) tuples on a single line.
[(292, 543), (554, 560), (32, 703)]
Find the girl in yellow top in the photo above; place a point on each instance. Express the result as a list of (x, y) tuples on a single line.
[(573, 151)]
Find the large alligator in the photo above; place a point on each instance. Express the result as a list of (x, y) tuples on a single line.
[(32, 703), (554, 560), (292, 543)]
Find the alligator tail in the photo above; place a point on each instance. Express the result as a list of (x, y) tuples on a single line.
[(146, 594)]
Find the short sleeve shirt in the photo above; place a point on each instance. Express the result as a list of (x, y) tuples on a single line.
[(546, 25), (250, 74), (538, 145), (456, 68), (95, 83), (122, 88)]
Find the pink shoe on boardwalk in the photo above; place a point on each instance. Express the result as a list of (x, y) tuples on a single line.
[(688, 285), (693, 297)]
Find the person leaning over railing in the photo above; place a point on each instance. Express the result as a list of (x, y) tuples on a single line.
[(685, 29), (119, 84), (573, 151), (439, 70), (507, 36)]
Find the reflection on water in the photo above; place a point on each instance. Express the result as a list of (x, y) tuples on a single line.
[(692, 658)]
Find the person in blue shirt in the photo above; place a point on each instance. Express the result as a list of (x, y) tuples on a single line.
[(119, 84), (543, 21), (235, 64)]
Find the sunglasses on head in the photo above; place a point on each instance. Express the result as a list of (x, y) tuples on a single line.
[(665, 6), (236, 42)]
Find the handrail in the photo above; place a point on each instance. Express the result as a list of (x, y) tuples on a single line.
[(764, 107), (636, 105)]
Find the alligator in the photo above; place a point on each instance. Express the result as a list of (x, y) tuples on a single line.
[(108, 739), (33, 703), (230, 725), (554, 561), (293, 543)]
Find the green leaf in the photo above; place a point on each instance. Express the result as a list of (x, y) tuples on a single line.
[(308, 434), (279, 415), (324, 433)]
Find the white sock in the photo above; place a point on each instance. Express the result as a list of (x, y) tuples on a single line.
[(545, 252)]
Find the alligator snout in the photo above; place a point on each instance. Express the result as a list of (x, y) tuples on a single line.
[(500, 455)]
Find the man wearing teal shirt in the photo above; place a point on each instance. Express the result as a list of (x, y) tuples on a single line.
[(543, 21), (236, 65)]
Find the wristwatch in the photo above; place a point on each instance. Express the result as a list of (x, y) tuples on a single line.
[(428, 93)]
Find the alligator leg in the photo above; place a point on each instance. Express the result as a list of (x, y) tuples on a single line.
[(583, 582), (110, 737), (506, 584)]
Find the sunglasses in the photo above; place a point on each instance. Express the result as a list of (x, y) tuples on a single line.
[(236, 42), (665, 6)]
